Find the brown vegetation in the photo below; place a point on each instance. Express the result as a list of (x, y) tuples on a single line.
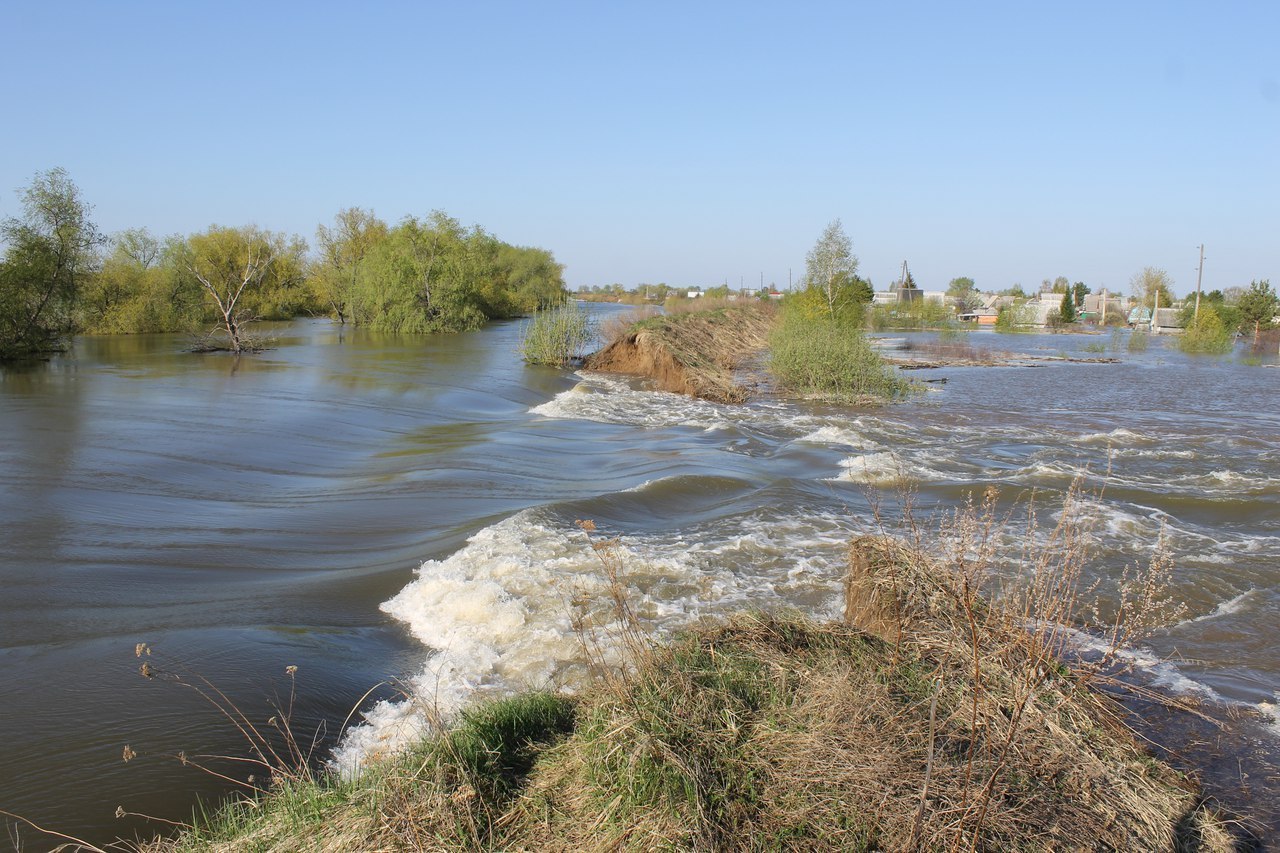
[(690, 353)]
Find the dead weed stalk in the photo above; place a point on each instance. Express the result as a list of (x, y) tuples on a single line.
[(999, 633)]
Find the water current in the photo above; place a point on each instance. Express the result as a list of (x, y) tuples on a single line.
[(402, 511)]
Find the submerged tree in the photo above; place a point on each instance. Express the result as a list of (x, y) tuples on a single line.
[(1206, 333), (435, 275), (49, 254), (246, 273)]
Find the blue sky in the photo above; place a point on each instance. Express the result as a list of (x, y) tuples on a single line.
[(690, 143)]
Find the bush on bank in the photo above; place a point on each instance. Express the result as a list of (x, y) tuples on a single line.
[(821, 357)]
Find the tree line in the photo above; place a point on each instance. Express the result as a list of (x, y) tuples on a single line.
[(59, 275)]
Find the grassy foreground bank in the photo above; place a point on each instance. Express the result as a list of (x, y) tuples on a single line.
[(928, 719)]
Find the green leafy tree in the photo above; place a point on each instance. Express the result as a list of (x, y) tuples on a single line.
[(1258, 308), (1015, 317), (964, 294), (434, 275), (533, 278), (830, 266), (1228, 314), (50, 253), (139, 289), (1151, 283), (343, 248), (856, 289)]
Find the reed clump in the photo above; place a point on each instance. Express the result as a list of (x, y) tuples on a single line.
[(557, 336)]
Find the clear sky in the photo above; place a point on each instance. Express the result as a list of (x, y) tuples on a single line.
[(689, 142)]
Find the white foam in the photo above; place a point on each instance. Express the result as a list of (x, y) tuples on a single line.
[(497, 616), (1270, 712), (1162, 673), (1225, 608), (837, 435), (1119, 436), (488, 615), (607, 399), (877, 469)]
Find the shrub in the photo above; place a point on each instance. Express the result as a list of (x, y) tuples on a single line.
[(1014, 318), (828, 359), (1206, 333)]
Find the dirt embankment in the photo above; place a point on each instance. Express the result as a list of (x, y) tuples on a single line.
[(694, 353)]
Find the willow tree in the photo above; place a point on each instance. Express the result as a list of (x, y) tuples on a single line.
[(436, 275), (343, 249), (49, 254), (139, 289), (246, 273)]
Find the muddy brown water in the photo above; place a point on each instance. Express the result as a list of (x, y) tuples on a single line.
[(387, 509)]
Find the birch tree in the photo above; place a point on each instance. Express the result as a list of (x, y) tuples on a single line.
[(829, 264)]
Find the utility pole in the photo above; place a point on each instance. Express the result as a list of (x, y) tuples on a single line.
[(1199, 275)]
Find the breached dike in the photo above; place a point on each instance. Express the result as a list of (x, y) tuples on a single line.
[(694, 353)]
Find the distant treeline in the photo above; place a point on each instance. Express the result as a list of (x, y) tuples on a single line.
[(59, 275)]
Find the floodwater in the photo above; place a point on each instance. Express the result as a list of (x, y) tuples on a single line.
[(401, 511)]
